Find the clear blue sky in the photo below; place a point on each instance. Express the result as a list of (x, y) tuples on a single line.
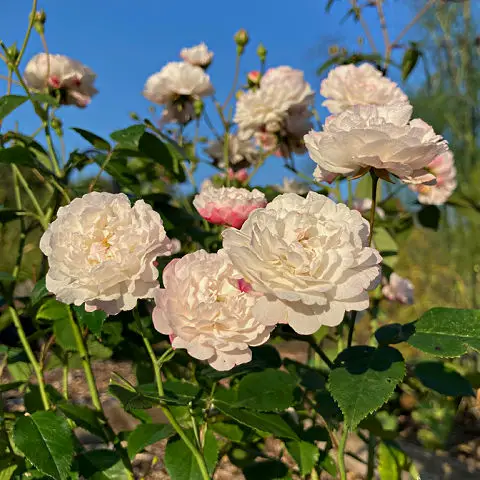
[(125, 41)]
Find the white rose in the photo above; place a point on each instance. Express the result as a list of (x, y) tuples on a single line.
[(241, 153), (198, 55), (206, 307), (349, 85), (310, 259), (72, 79), (101, 251), (175, 80), (398, 289), (443, 167), (290, 185), (227, 206), (383, 138)]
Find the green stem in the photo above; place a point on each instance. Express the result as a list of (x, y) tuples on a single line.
[(235, 81), (341, 454), (226, 156), (87, 367), (371, 457), (31, 20), (65, 378), (23, 236), (158, 380), (32, 197), (351, 328), (31, 357), (350, 193), (374, 204), (53, 154)]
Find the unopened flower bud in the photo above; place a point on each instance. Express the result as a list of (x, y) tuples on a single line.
[(262, 53), (134, 116), (332, 50), (253, 78), (198, 107), (12, 54), (39, 20), (57, 125), (241, 39)]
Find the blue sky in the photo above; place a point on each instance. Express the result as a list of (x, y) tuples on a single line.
[(125, 41)]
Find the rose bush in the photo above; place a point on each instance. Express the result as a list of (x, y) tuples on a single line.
[(244, 312)]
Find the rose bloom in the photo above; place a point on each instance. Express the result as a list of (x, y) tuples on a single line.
[(59, 73), (206, 308), (227, 206), (364, 205), (176, 86), (380, 138), (290, 185), (398, 289), (443, 167), (266, 108), (309, 257), (101, 251), (241, 153), (349, 85), (198, 55)]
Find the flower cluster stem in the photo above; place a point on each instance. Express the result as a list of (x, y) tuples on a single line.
[(341, 454), (31, 357), (158, 380)]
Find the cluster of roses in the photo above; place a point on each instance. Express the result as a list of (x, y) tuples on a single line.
[(302, 261)]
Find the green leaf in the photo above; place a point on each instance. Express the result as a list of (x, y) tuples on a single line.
[(146, 434), (102, 465), (444, 380), (93, 320), (363, 379), (180, 462), (409, 61), (266, 470), (93, 139), (5, 276), (386, 245), (394, 333), (228, 430), (5, 387), (52, 310), (447, 332), (9, 103), (84, 417), (19, 156), (429, 217), (8, 214), (7, 468), (128, 137), (392, 461), (39, 292), (46, 98), (264, 422), (46, 441), (270, 390), (118, 168), (18, 365), (305, 454)]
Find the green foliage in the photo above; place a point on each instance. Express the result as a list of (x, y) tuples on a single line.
[(305, 454), (9, 103), (447, 332), (93, 139), (92, 320), (46, 440), (377, 370), (180, 462), (146, 434)]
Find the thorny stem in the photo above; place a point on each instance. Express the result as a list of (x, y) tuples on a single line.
[(374, 205), (341, 454), (158, 380), (31, 357)]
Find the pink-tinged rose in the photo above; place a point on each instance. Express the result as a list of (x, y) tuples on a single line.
[(240, 176), (228, 206), (207, 309), (254, 77), (309, 257), (443, 167), (398, 289)]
